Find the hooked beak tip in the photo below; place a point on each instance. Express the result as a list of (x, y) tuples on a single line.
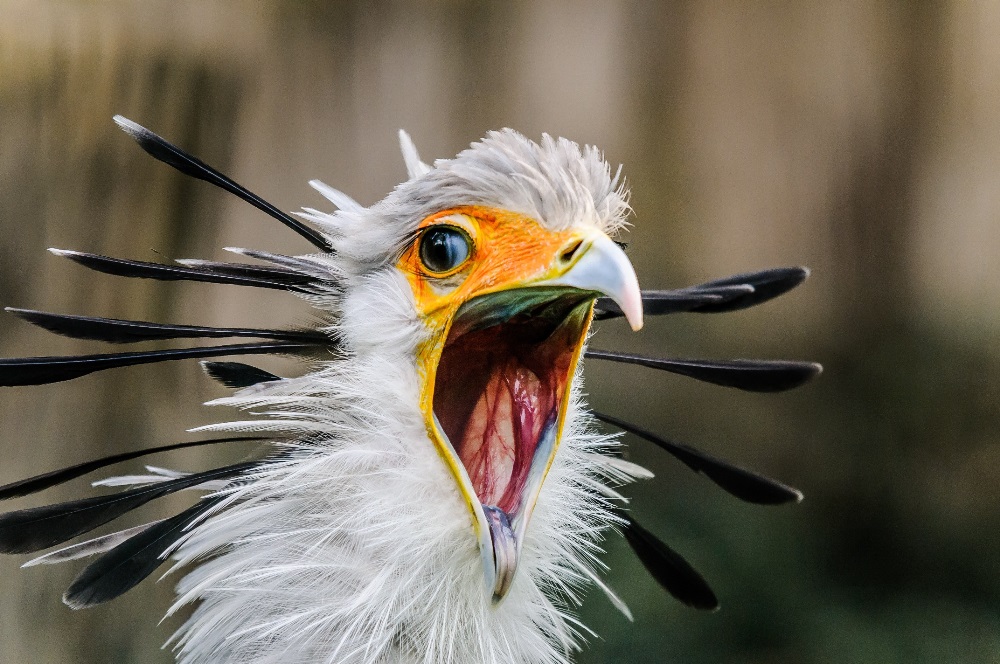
[(604, 268), (630, 301), (505, 552), (635, 324)]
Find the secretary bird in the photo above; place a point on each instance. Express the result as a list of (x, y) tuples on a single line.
[(433, 487)]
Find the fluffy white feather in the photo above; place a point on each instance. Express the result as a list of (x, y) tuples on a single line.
[(414, 167), (90, 547)]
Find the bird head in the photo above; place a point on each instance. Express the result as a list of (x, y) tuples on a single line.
[(502, 260)]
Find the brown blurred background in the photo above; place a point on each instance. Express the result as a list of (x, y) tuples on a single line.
[(860, 139)]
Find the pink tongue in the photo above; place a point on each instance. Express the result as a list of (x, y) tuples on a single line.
[(502, 434)]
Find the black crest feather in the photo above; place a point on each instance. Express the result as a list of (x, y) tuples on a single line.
[(117, 331), (121, 267), (44, 370), (237, 375), (767, 285), (669, 568), (125, 566), (739, 291), (744, 484), (37, 528), (44, 481), (749, 375), (188, 164), (663, 302), (246, 270)]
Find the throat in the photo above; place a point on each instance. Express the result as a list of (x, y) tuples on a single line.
[(501, 437), (500, 392)]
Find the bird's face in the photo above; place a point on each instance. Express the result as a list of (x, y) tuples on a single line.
[(506, 303)]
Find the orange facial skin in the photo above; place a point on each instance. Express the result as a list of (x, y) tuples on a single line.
[(508, 249)]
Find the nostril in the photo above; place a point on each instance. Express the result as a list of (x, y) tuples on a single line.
[(570, 251)]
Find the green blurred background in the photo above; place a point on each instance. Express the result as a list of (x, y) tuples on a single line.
[(860, 139)]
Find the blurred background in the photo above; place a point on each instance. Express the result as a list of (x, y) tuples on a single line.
[(859, 139)]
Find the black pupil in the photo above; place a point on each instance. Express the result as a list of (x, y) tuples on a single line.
[(443, 249)]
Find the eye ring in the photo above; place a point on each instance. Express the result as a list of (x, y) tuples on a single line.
[(443, 249)]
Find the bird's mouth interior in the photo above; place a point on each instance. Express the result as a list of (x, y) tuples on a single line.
[(501, 391)]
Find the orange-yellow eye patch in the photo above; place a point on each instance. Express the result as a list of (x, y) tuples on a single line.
[(507, 248)]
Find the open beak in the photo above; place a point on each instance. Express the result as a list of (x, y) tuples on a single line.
[(501, 387)]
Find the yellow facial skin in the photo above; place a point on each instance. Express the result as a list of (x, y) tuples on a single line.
[(509, 251)]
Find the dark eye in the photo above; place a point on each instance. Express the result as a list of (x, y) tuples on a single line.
[(443, 248)]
